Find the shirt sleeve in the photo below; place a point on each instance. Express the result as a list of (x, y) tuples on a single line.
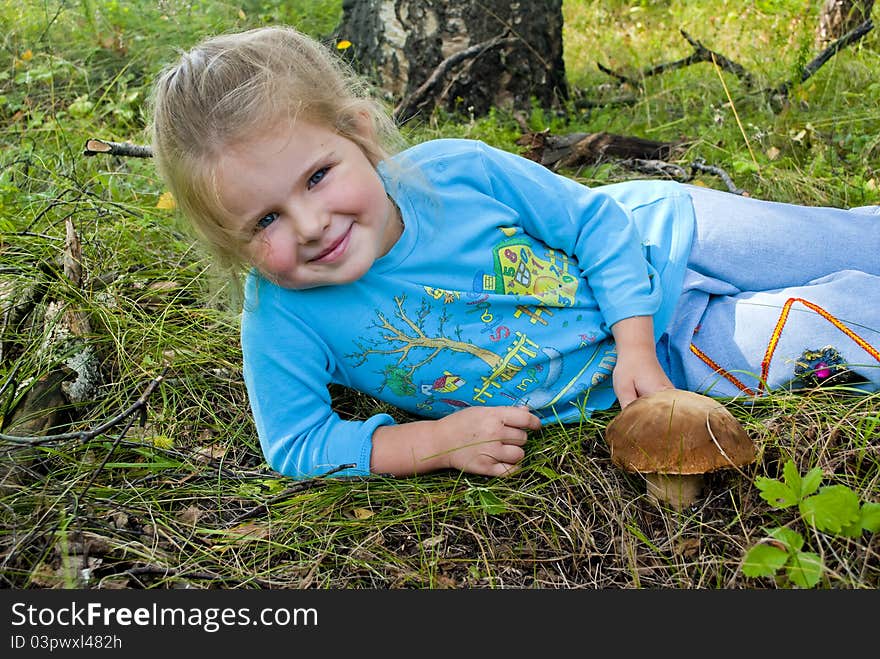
[(584, 223), (287, 372)]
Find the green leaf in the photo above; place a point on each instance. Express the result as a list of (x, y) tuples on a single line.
[(853, 530), (805, 569), (791, 539), (810, 482), (742, 166), (80, 107), (547, 472), (491, 503), (870, 517), (834, 508), (764, 560), (791, 475), (867, 520), (776, 493), (487, 500)]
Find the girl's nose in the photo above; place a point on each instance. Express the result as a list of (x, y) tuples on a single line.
[(311, 226)]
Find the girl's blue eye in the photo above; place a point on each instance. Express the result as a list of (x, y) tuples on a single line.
[(315, 178), (266, 220)]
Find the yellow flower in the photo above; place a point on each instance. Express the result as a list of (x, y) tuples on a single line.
[(343, 45), (166, 201)]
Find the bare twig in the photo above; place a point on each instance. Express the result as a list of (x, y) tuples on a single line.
[(615, 74), (700, 165), (84, 435), (96, 146), (700, 54), (816, 63), (703, 54), (681, 173), (658, 168)]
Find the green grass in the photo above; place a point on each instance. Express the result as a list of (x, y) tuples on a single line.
[(183, 496)]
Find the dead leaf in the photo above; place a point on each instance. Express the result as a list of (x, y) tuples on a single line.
[(190, 515), (362, 513), (688, 547), (209, 453), (433, 541), (243, 533), (442, 581)]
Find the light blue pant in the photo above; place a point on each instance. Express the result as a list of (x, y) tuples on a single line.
[(776, 296)]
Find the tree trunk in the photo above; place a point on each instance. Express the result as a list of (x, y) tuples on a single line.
[(839, 17), (465, 56)]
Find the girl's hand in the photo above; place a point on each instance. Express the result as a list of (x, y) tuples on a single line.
[(638, 373), (480, 440), (486, 440)]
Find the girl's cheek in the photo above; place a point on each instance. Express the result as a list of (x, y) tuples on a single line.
[(278, 255)]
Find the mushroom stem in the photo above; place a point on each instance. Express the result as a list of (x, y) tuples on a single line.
[(679, 491)]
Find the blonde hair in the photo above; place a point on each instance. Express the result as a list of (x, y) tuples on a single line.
[(235, 85)]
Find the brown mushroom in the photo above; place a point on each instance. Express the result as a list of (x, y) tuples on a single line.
[(673, 437)]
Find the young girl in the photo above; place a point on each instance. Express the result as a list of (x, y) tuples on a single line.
[(473, 287)]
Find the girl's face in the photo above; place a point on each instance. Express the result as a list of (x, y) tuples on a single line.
[(310, 205)]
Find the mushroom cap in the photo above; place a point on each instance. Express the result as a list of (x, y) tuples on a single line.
[(668, 432)]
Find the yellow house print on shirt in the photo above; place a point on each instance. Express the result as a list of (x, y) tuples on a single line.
[(518, 271)]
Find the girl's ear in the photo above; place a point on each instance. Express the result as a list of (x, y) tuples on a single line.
[(363, 126)]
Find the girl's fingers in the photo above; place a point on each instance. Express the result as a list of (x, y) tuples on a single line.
[(521, 417), (514, 437), (506, 459), (510, 453)]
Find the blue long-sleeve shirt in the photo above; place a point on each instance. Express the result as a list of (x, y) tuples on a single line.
[(501, 290)]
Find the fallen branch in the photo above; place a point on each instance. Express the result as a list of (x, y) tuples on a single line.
[(84, 435), (703, 54), (680, 172), (851, 37), (700, 54), (699, 165), (648, 156), (575, 149), (94, 147)]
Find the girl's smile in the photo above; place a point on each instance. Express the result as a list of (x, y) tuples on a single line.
[(309, 205), (335, 251)]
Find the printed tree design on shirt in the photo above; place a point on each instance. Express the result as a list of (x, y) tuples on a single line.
[(408, 335)]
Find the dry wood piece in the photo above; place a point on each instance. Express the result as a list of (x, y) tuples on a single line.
[(95, 146), (47, 402), (575, 149)]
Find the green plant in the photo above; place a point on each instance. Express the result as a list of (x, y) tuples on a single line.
[(833, 509)]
